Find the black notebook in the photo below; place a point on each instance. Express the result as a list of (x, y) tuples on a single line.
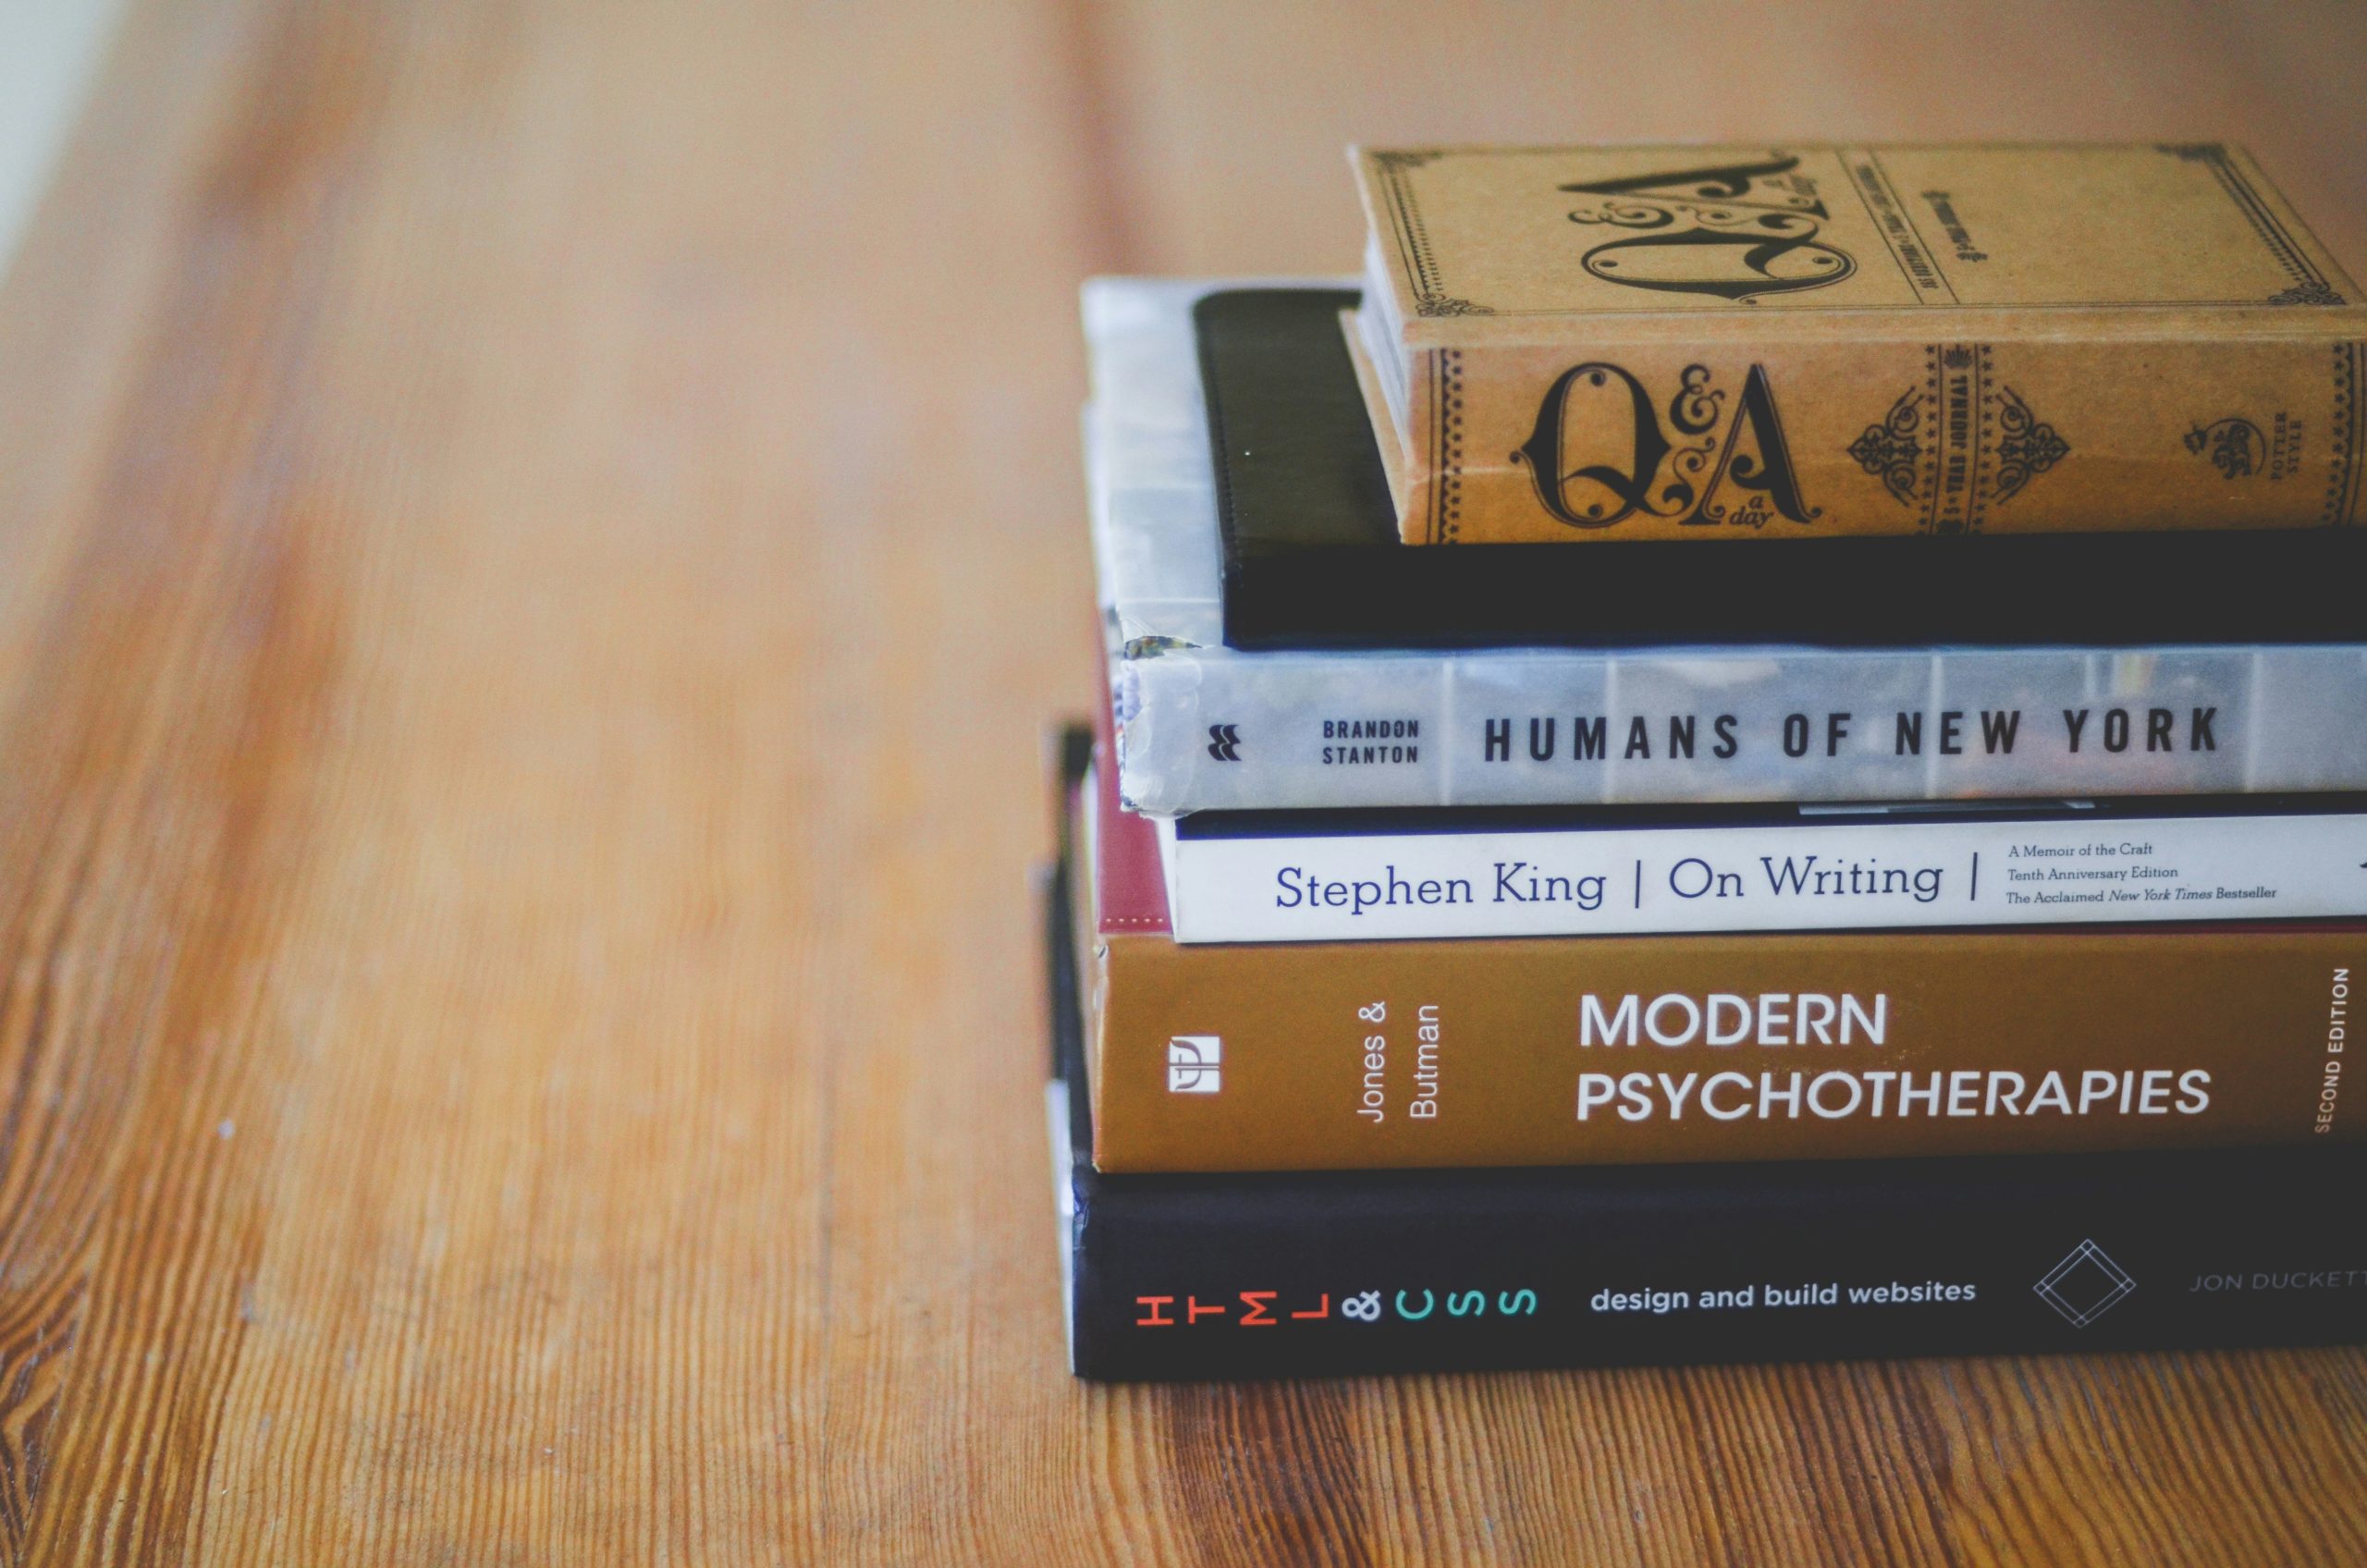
[(1312, 557)]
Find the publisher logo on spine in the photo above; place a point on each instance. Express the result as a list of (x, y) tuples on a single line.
[(1194, 1064), (2085, 1285)]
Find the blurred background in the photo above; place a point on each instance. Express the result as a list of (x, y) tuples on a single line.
[(48, 51), (1182, 119)]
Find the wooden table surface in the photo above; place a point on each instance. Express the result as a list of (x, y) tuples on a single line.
[(536, 541)]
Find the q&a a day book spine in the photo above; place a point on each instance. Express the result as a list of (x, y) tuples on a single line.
[(1603, 343)]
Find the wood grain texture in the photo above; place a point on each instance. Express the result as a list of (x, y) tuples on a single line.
[(535, 543)]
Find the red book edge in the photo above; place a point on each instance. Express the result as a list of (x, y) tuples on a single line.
[(1130, 888)]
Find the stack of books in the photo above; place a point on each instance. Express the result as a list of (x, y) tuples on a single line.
[(1739, 754)]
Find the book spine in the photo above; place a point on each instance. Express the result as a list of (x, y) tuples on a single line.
[(1892, 873), (1638, 1049), (1214, 730), (1807, 439), (1177, 1278)]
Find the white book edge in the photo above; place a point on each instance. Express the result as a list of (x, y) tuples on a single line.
[(2001, 870), (1056, 1113)]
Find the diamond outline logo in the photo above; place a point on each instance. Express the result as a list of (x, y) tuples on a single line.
[(1194, 1064), (2092, 1259)]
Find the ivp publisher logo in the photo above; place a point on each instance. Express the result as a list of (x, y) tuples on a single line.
[(1194, 1064)]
